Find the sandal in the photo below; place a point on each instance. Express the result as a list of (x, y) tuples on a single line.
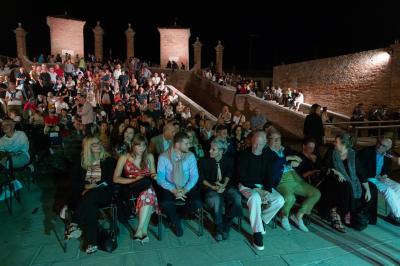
[(336, 222), (91, 249)]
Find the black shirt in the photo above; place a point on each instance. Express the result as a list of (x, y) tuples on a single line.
[(251, 169), (208, 169)]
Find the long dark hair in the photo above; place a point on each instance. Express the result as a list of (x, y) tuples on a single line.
[(137, 140)]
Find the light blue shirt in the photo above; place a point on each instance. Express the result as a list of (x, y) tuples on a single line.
[(379, 163), (164, 172)]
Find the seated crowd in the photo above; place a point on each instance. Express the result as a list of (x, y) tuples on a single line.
[(286, 97), (123, 129)]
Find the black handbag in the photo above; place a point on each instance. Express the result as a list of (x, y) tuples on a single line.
[(360, 220), (141, 185), (106, 239)]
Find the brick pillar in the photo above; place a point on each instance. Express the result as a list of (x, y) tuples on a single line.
[(197, 54), (395, 77), (20, 35), (98, 42), (130, 34), (218, 60)]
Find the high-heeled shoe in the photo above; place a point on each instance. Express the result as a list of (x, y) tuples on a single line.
[(336, 222)]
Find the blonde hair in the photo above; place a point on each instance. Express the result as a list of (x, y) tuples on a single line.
[(88, 159), (221, 144)]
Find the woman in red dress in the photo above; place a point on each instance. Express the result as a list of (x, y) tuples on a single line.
[(139, 172)]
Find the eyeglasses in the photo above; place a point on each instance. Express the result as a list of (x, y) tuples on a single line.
[(95, 144)]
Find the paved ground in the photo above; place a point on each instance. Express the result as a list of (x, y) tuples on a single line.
[(30, 237)]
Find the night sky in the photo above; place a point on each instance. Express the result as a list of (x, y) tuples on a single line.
[(271, 33)]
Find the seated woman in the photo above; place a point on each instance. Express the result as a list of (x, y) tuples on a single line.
[(139, 171), (238, 139), (346, 192), (309, 168), (95, 191), (125, 143), (216, 172), (290, 184)]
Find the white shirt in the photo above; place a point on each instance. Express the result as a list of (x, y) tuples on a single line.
[(16, 100), (18, 143), (117, 73), (156, 80), (60, 105)]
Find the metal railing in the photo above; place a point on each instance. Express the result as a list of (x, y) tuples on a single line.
[(355, 127), (379, 128)]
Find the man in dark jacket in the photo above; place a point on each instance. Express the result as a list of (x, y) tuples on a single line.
[(313, 127), (262, 199), (378, 168)]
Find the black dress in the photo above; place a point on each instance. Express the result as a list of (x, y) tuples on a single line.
[(340, 195)]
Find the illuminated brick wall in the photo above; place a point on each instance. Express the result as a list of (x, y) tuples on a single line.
[(342, 82), (174, 43), (66, 34)]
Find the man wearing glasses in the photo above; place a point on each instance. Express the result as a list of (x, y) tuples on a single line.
[(377, 163)]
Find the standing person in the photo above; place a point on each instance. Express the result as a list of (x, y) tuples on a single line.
[(86, 113), (313, 127), (177, 174)]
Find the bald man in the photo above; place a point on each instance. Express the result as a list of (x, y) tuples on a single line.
[(377, 164), (262, 199)]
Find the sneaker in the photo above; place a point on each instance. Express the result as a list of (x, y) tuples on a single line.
[(258, 241), (91, 249), (74, 231), (263, 232), (218, 237), (285, 224), (299, 223)]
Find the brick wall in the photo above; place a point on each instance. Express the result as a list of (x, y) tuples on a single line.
[(342, 82), (66, 34), (174, 43)]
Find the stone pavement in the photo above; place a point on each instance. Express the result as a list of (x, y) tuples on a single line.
[(30, 237)]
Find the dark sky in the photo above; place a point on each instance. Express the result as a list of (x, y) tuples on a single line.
[(271, 32)]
